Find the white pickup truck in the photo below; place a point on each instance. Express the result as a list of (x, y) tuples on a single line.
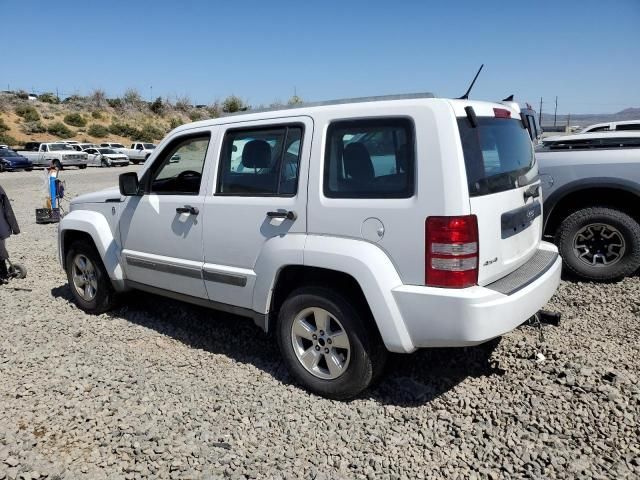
[(59, 155), (138, 152)]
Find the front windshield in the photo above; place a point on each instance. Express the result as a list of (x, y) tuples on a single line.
[(117, 145), (7, 153), (107, 151), (54, 147), (149, 146)]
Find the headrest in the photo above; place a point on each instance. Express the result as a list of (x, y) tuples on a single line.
[(256, 154), (357, 162)]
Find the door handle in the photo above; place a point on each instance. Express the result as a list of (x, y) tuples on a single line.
[(289, 215), (188, 209)]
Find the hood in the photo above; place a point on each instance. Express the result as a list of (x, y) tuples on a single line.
[(16, 160), (97, 197)]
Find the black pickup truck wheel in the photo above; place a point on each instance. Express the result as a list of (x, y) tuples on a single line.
[(600, 244)]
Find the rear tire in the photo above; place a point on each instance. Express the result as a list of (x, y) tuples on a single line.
[(82, 167), (135, 162), (104, 163), (344, 338), (599, 244), (88, 279)]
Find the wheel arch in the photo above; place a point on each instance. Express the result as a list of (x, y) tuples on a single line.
[(93, 226), (616, 193), (358, 269)]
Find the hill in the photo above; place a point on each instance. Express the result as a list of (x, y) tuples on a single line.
[(590, 118), (98, 119)]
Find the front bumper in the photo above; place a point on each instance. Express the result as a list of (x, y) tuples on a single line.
[(439, 317)]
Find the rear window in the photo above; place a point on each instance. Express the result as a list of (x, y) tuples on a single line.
[(498, 155)]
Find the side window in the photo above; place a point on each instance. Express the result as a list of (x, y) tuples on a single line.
[(259, 162), (629, 126), (178, 169), (370, 158)]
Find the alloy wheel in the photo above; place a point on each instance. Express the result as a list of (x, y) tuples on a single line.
[(84, 277), (599, 244), (320, 343)]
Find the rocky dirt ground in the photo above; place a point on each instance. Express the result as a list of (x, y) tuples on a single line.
[(160, 389)]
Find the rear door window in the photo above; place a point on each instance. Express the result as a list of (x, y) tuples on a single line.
[(498, 155)]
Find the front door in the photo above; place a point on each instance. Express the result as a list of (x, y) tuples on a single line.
[(161, 231), (259, 203)]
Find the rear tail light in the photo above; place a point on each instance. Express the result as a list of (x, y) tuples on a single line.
[(451, 251)]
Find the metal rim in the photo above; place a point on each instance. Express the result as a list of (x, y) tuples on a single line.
[(83, 273), (599, 245), (320, 343)]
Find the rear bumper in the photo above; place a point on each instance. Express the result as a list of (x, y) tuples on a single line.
[(437, 317)]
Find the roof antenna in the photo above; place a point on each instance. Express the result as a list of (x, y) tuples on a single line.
[(466, 95)]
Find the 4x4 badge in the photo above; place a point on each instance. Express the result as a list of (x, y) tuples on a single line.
[(489, 262)]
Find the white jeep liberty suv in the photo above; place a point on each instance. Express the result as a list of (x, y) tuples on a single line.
[(347, 228)]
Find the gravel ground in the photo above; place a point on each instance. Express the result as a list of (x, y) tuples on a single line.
[(161, 389)]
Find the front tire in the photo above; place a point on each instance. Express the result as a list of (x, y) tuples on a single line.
[(82, 167), (327, 345), (600, 244), (88, 280)]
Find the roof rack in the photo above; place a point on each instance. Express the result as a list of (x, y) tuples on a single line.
[(342, 101)]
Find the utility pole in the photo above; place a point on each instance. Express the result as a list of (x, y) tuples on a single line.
[(555, 112), (540, 113), (151, 90), (57, 95), (568, 123)]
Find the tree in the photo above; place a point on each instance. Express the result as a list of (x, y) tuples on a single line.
[(98, 98), (157, 106), (233, 104), (295, 100)]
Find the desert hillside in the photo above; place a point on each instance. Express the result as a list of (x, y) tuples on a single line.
[(96, 118)]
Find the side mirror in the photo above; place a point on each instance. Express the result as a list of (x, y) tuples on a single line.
[(129, 184)]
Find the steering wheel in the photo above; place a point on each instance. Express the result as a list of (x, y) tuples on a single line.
[(188, 173)]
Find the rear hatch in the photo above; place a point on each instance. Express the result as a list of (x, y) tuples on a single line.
[(503, 183)]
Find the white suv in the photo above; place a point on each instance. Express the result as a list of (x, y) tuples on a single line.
[(348, 229)]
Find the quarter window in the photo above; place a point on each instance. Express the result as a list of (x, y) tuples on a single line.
[(371, 158), (260, 162)]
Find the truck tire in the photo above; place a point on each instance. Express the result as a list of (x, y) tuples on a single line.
[(327, 345), (82, 167), (599, 244), (146, 157), (135, 162), (88, 280)]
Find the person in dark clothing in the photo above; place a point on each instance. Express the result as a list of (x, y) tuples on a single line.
[(8, 226)]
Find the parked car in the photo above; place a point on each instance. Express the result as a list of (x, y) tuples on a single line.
[(591, 187), (626, 125), (138, 152), (58, 155), (106, 157), (11, 161), (112, 145), (347, 229)]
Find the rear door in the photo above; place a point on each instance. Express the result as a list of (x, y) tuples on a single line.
[(259, 202), (503, 187)]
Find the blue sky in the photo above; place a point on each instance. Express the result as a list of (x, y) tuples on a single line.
[(585, 52)]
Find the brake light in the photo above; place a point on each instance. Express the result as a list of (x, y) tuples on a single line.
[(451, 258), (501, 113)]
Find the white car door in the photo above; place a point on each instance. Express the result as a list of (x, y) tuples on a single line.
[(93, 158), (259, 201), (161, 230)]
